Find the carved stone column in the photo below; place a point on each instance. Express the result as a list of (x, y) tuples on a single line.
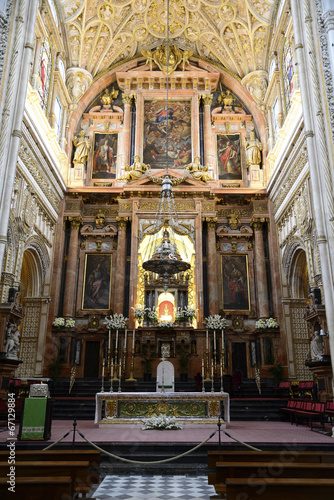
[(209, 154), (127, 100), (260, 270), (212, 265), (71, 271), (121, 262)]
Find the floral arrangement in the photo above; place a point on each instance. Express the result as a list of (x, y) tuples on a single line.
[(69, 323), (63, 323), (58, 322), (151, 314), (272, 323), (116, 322), (161, 422), (139, 311), (215, 322), (262, 324), (166, 324), (185, 313)]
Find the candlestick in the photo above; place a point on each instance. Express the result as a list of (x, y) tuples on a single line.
[(131, 379), (221, 367), (212, 368), (207, 340), (125, 338), (207, 372), (116, 342), (102, 386), (111, 375), (119, 375), (214, 339), (202, 368), (103, 365), (133, 339), (222, 347), (109, 339)]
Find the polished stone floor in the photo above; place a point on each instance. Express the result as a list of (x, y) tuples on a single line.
[(154, 488)]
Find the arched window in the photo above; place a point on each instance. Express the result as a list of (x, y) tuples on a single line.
[(287, 67), (45, 66)]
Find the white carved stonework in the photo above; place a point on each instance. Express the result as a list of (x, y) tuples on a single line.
[(256, 83), (78, 81), (29, 339), (4, 31), (301, 343), (324, 23)]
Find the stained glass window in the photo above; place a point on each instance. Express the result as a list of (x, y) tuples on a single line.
[(287, 66), (57, 117), (45, 66)]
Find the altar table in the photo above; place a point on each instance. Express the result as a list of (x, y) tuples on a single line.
[(191, 407)]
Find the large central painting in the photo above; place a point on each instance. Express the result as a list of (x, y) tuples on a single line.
[(228, 156), (235, 282), (96, 287), (158, 121)]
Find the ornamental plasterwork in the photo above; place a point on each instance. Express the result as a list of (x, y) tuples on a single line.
[(233, 33)]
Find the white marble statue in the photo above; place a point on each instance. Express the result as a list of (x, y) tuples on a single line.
[(12, 342), (317, 347)]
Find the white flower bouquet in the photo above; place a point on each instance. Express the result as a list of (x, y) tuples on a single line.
[(161, 422), (272, 323), (69, 323), (151, 314), (190, 312), (116, 322), (185, 313), (215, 322), (58, 322), (261, 324), (139, 311), (166, 324)]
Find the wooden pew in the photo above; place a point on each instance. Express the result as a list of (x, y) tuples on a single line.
[(91, 456), (291, 456), (77, 471), (227, 470), (38, 488), (279, 488)]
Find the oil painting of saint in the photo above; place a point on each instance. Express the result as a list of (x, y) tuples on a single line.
[(235, 282), (228, 156), (104, 156), (96, 288), (160, 121)]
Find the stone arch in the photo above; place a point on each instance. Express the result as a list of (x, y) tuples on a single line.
[(35, 265), (294, 265)]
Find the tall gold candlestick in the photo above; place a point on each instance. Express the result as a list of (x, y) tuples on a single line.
[(207, 376), (131, 379), (115, 365)]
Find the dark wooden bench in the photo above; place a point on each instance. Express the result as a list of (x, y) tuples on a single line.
[(91, 456), (279, 488), (284, 456), (38, 488), (330, 410), (77, 471)]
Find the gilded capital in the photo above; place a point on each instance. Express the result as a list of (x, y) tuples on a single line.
[(257, 223), (127, 99), (212, 221), (207, 99), (75, 222), (121, 222)]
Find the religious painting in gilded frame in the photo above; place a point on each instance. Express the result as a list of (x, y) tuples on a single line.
[(229, 157), (97, 282), (176, 120), (235, 280), (104, 156)]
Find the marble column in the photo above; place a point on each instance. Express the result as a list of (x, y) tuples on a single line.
[(127, 100), (212, 265), (260, 269), (209, 156), (121, 262), (71, 271)]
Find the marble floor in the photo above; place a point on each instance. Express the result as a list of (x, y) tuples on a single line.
[(154, 488)]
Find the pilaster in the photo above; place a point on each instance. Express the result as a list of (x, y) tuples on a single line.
[(71, 271)]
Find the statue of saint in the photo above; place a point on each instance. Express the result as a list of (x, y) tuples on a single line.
[(12, 341), (317, 347), (135, 171), (253, 150), (108, 98), (83, 147), (226, 99), (198, 171)]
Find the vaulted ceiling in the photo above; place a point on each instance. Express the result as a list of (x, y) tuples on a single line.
[(232, 33)]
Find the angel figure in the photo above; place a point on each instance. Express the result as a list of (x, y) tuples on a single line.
[(149, 57), (108, 98), (135, 171), (185, 58), (198, 171)]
